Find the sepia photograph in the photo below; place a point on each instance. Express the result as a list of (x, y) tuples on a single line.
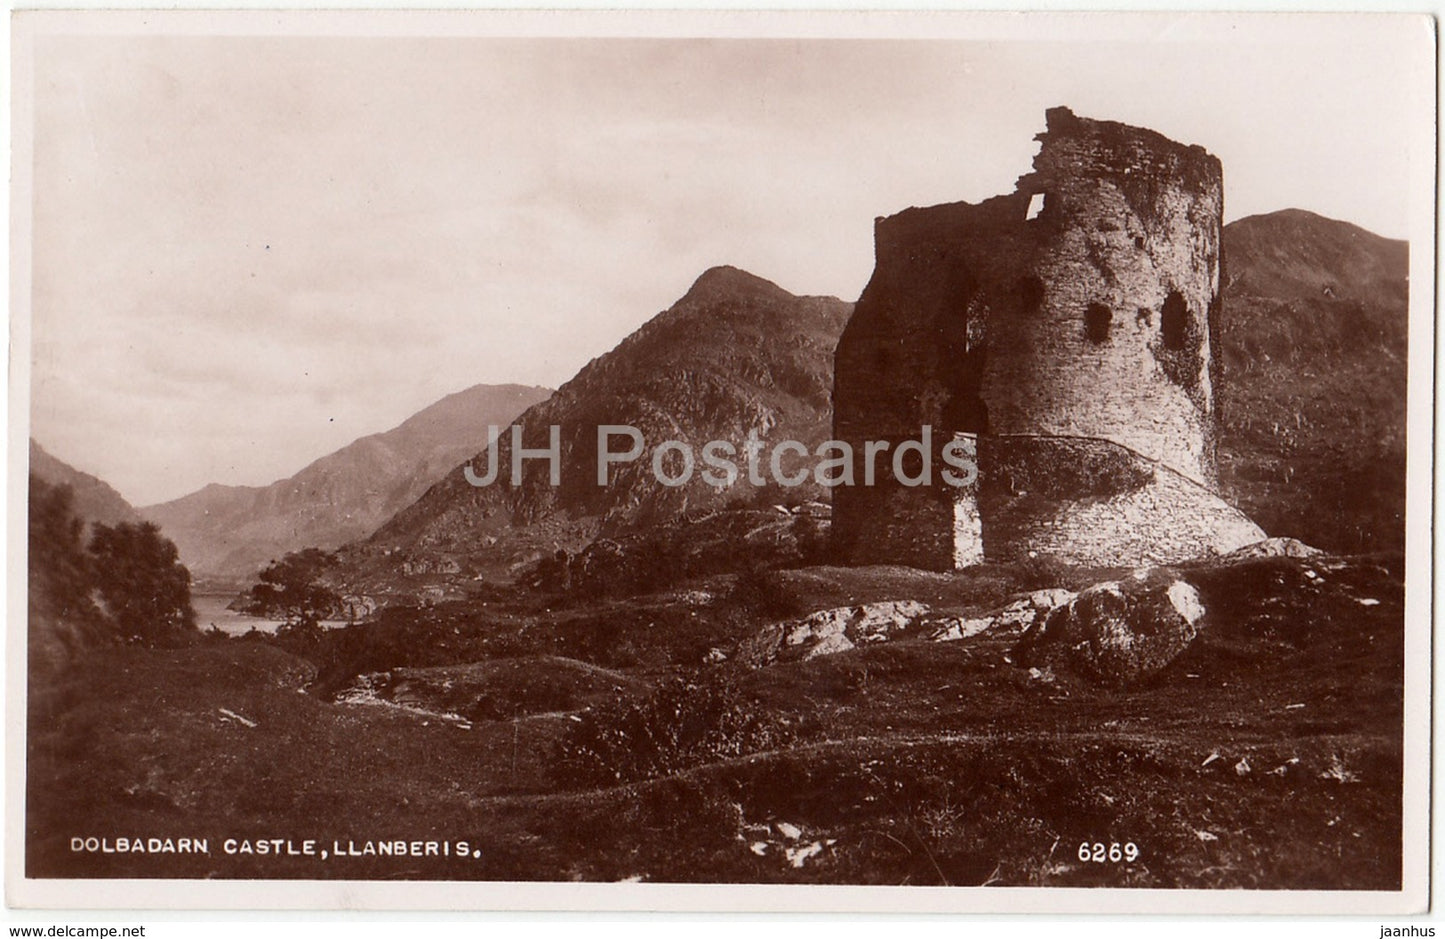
[(479, 452)]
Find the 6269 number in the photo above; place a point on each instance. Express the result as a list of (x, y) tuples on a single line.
[(1098, 853)]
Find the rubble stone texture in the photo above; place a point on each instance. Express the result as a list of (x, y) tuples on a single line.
[(1067, 328)]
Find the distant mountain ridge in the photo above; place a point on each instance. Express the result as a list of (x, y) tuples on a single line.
[(736, 353), (1294, 254), (95, 499), (230, 532), (1313, 344)]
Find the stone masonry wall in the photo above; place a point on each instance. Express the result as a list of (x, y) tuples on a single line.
[(1127, 249), (1078, 306), (1094, 502)]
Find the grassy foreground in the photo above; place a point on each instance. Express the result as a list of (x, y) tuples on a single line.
[(1267, 756)]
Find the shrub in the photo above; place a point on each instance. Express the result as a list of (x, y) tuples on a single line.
[(299, 637), (681, 724), (63, 616), (127, 583)]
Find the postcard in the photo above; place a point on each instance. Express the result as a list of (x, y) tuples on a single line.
[(689, 461)]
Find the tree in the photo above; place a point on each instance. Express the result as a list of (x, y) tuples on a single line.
[(59, 567), (63, 616), (144, 588), (290, 588)]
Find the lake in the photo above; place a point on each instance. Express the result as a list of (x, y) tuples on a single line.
[(211, 611)]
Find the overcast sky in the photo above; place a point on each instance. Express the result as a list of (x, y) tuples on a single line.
[(250, 251)]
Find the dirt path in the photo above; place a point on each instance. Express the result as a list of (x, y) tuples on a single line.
[(1045, 741)]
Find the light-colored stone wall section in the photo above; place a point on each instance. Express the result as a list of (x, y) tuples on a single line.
[(1083, 304), (1093, 502), (1129, 255)]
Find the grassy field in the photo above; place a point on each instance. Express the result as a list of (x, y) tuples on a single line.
[(1268, 755)]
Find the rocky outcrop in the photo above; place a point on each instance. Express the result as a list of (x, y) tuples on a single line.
[(1017, 616), (1094, 502), (839, 629), (1117, 632), (1155, 624), (831, 631), (655, 557)]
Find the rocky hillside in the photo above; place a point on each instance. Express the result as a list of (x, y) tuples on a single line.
[(227, 532), (1294, 254), (94, 499), (735, 354), (1313, 348)]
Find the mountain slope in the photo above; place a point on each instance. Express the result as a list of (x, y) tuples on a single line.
[(1294, 254), (95, 500), (1311, 345), (1312, 403), (735, 354), (232, 531)]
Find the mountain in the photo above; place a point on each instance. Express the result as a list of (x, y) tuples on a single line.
[(230, 532), (1298, 255), (736, 354), (1313, 347), (95, 500)]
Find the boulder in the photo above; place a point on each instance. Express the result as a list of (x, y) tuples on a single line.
[(1116, 632), (1050, 598), (878, 621)]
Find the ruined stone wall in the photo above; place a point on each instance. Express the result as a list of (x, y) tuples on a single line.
[(1127, 249), (1092, 501), (1078, 306), (912, 355)]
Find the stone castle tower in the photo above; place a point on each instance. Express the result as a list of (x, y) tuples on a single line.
[(1064, 331)]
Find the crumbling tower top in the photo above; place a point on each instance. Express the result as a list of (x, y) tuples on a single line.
[(1080, 307)]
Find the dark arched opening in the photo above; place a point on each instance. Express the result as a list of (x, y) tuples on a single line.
[(966, 414), (1097, 319), (1030, 293), (1174, 321)]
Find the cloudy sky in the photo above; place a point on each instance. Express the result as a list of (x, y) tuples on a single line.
[(250, 250)]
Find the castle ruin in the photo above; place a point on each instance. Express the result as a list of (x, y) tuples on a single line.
[(1066, 330)]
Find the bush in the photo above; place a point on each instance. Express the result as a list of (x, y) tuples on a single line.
[(681, 724), (299, 637), (144, 587), (128, 583), (291, 588), (63, 616)]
